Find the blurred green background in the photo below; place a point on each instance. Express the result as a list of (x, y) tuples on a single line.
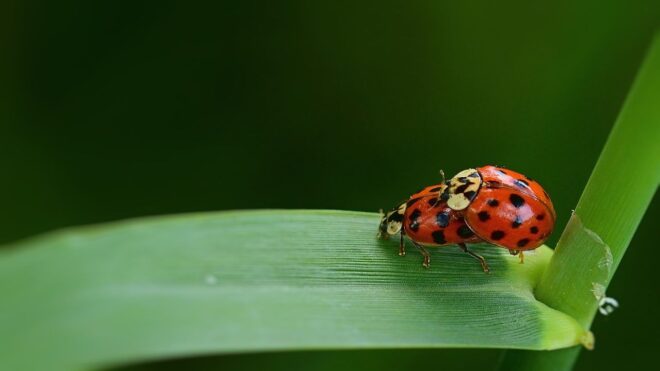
[(112, 110)]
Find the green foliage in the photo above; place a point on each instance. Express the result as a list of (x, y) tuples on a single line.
[(255, 281)]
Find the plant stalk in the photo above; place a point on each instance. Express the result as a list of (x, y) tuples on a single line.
[(611, 207)]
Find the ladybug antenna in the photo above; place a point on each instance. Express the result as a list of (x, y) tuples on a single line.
[(442, 175)]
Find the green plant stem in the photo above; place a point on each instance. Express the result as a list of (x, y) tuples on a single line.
[(612, 205)]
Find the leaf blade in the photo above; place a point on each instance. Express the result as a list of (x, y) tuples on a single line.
[(256, 281)]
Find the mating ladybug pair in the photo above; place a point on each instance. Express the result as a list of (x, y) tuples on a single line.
[(486, 204)]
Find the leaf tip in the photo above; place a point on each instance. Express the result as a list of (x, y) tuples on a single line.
[(587, 340)]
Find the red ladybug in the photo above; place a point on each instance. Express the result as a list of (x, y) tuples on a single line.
[(502, 207), (491, 204), (428, 221)]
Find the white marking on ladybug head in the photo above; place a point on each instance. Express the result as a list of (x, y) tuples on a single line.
[(393, 227), (458, 202), (465, 173), (391, 222), (463, 187)]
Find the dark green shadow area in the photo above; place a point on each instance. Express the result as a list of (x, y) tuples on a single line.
[(364, 360)]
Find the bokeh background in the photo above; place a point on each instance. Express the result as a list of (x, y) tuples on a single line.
[(119, 109)]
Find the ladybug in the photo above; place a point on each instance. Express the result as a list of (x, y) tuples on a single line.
[(502, 207), (427, 220), (486, 204)]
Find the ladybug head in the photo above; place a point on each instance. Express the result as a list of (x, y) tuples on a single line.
[(382, 228), (390, 222)]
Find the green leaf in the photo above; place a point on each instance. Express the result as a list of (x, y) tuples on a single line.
[(256, 281)]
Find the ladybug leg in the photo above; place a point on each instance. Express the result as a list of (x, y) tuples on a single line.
[(402, 245), (427, 257), (520, 255), (481, 259)]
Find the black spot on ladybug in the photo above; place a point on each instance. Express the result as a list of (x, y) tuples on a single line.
[(493, 202), (462, 188), (523, 242), (395, 217), (540, 217), (521, 183), (516, 200), (497, 235), (442, 219), (439, 237), (501, 171), (412, 201), (470, 195), (463, 179), (534, 230), (435, 189), (464, 231), (414, 223), (432, 201), (483, 216), (474, 175), (516, 223), (445, 195)]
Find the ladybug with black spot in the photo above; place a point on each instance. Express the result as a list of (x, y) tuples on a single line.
[(427, 221), (489, 203), (502, 207)]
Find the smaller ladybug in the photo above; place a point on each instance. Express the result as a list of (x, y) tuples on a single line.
[(502, 207), (428, 221)]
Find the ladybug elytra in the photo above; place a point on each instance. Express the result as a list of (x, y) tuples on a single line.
[(486, 204)]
